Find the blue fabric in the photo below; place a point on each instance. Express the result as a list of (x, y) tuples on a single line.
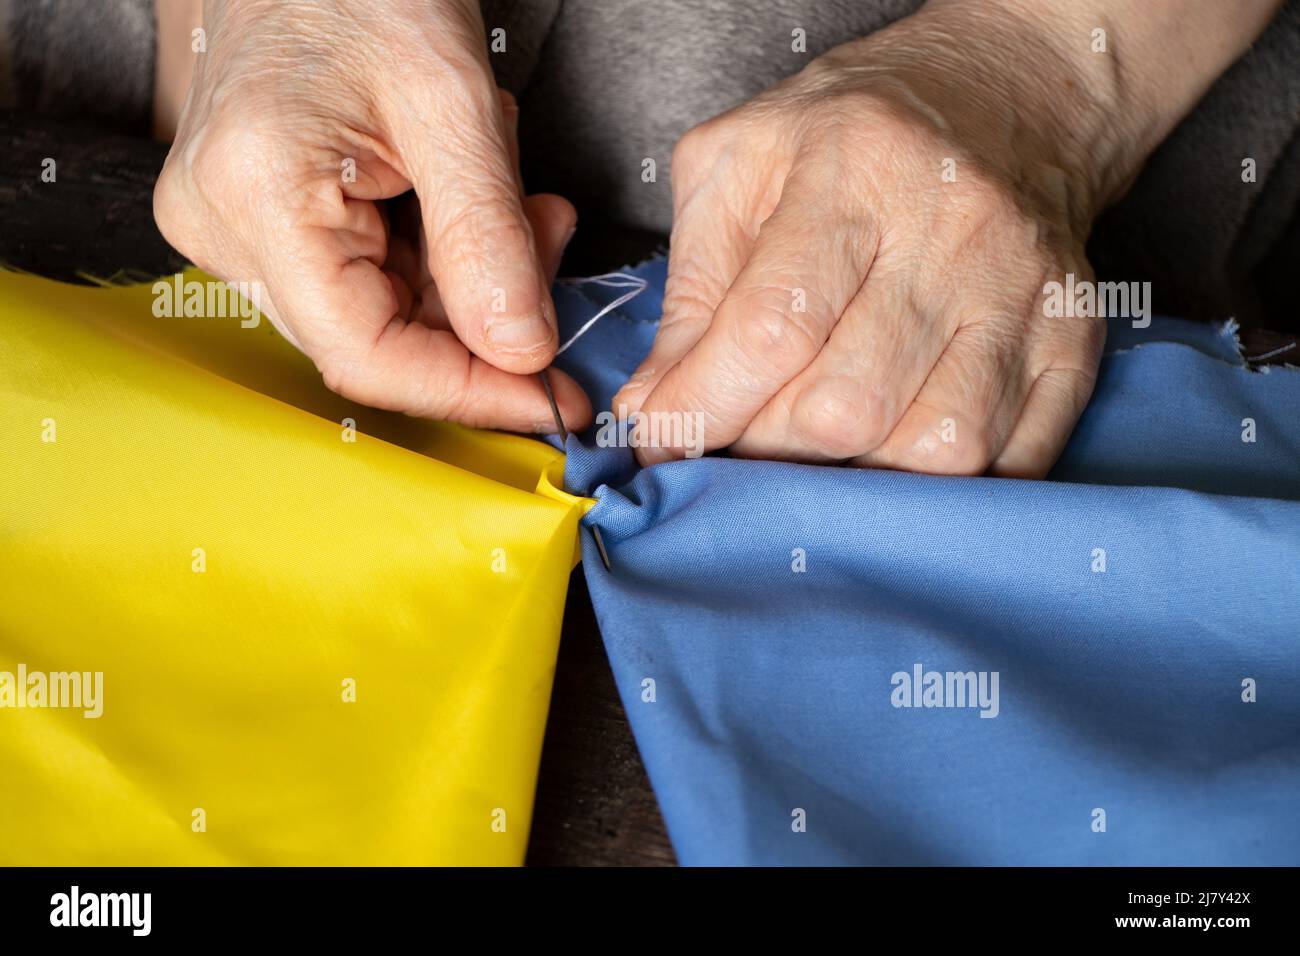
[(1118, 691)]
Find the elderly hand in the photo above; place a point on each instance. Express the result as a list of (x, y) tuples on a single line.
[(859, 255), (300, 118)]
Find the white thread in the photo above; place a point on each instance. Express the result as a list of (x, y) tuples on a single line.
[(610, 280), (1269, 355)]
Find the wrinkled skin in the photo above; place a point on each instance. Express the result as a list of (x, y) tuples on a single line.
[(922, 297), (833, 296), (441, 313)]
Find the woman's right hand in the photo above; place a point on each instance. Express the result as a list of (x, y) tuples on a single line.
[(300, 118)]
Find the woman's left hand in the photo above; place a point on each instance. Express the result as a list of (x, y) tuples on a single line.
[(859, 258)]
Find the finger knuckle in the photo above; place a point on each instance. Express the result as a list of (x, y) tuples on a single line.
[(486, 228), (230, 161), (171, 210), (968, 453), (446, 388), (984, 206), (1074, 344), (443, 399), (840, 419), (689, 294), (695, 142), (210, 191), (768, 335), (716, 143)]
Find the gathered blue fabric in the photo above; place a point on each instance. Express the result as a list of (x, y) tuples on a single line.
[(827, 665)]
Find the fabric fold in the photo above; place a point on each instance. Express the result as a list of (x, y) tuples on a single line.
[(838, 666), (316, 646)]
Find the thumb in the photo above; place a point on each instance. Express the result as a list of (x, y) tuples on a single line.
[(706, 253), (482, 253)]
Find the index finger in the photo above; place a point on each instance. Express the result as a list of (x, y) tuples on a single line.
[(347, 315), (807, 264)]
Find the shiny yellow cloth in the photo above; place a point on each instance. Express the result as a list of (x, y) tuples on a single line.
[(199, 530)]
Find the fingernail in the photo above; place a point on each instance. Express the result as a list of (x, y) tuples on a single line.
[(518, 336)]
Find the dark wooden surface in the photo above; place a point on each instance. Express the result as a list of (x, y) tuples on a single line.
[(594, 803)]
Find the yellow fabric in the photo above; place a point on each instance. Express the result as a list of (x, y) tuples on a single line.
[(426, 563)]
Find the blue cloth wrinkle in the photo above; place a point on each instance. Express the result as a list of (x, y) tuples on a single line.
[(774, 605)]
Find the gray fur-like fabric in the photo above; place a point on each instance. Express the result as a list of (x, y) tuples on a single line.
[(80, 59), (605, 84), (1211, 245), (526, 27), (622, 80)]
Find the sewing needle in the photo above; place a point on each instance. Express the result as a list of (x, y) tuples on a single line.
[(555, 408), (564, 438)]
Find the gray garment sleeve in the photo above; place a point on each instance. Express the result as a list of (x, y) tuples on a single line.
[(524, 25), (619, 81), (79, 60), (1212, 241), (94, 59)]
